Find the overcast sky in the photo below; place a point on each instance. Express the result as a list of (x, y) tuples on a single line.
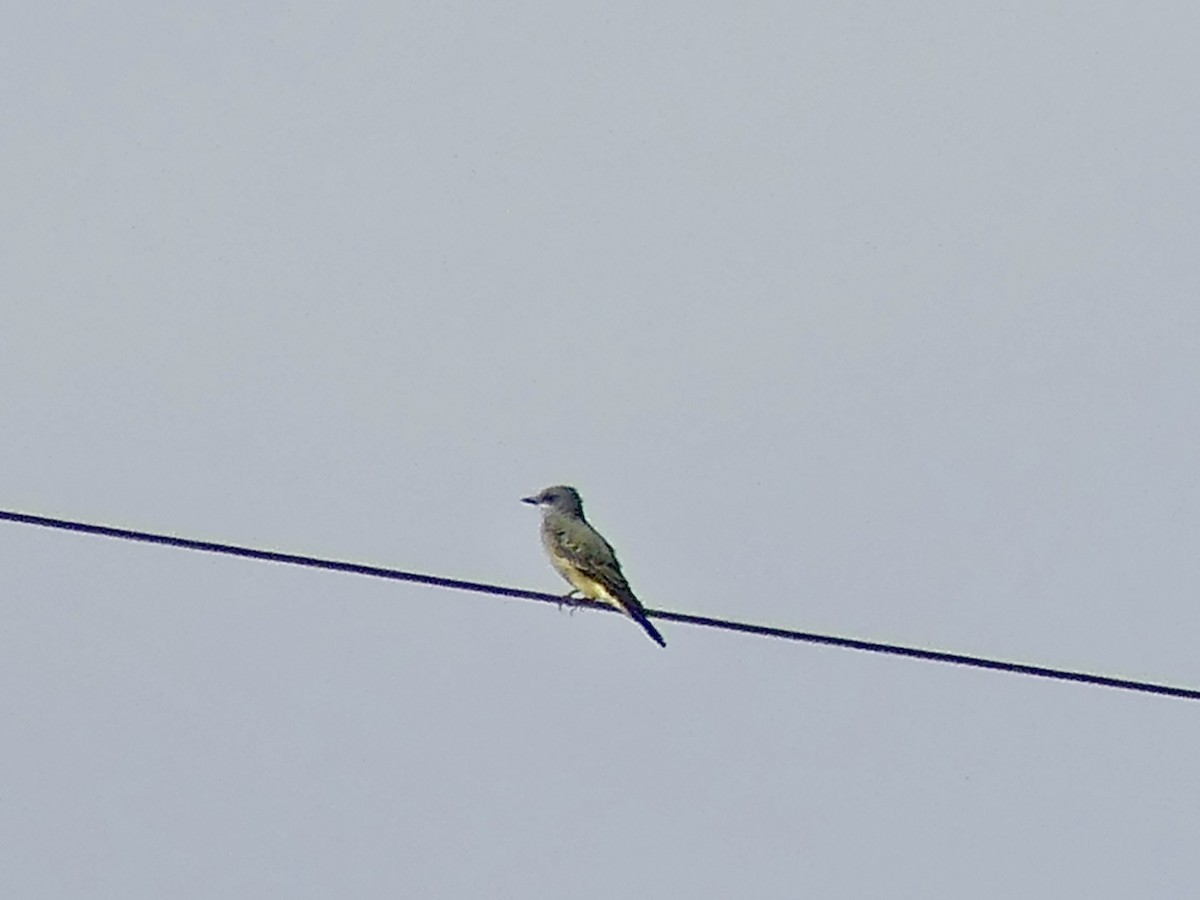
[(877, 319)]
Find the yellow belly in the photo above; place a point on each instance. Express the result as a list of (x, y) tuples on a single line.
[(589, 587)]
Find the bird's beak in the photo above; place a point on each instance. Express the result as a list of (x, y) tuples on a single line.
[(532, 501)]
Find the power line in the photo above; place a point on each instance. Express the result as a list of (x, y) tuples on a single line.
[(685, 618)]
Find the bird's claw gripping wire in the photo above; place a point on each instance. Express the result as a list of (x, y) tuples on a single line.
[(568, 600)]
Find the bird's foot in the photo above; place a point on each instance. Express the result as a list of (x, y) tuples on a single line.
[(568, 600)]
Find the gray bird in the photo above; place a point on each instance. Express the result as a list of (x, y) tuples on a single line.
[(584, 558)]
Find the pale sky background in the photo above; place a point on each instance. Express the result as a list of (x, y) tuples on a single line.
[(876, 319)]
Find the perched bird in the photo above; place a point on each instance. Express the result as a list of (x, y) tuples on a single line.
[(583, 557)]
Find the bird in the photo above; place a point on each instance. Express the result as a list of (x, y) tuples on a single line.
[(583, 557)]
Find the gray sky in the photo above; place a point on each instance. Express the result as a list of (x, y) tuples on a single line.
[(874, 319)]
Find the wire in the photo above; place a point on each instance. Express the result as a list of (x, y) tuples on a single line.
[(685, 618)]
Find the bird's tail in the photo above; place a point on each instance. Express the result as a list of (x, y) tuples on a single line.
[(638, 615)]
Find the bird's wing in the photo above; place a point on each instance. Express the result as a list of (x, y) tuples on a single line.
[(593, 556)]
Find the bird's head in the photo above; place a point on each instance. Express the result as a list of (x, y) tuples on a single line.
[(559, 498)]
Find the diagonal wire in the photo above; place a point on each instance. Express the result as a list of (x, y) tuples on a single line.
[(959, 659)]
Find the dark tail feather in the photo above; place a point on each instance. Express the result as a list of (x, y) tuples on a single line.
[(640, 617), (632, 607)]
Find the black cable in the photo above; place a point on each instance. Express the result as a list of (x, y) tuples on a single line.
[(686, 618)]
